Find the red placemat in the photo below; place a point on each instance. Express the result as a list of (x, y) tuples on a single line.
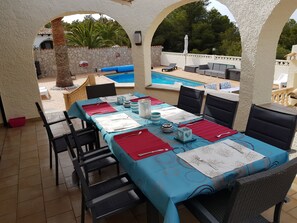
[(99, 108), (154, 101), (209, 130), (135, 143)]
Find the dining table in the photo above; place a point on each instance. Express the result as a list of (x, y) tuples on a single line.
[(153, 158)]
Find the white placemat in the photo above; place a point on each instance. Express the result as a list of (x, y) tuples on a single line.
[(221, 157), (176, 115), (117, 122), (111, 99)]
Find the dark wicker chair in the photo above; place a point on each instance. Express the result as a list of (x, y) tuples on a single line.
[(57, 143), (95, 159), (270, 126), (220, 110), (101, 90), (250, 196), (106, 197), (190, 99)]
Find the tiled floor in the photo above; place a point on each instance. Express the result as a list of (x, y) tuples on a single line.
[(27, 185)]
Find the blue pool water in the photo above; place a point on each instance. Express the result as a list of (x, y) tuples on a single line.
[(157, 78)]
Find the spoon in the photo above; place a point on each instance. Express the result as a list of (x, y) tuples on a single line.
[(153, 151), (224, 133)]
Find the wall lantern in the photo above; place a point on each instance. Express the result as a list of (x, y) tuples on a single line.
[(137, 38)]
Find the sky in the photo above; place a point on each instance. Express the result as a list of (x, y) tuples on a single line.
[(213, 4)]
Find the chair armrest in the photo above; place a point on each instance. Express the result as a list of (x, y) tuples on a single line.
[(85, 161), (96, 152), (110, 194), (85, 131)]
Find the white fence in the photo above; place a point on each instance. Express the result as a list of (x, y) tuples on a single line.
[(281, 66)]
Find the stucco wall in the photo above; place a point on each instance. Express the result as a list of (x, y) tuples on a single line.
[(260, 24), (97, 58)]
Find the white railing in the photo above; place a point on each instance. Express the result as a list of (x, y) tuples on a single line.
[(281, 66)]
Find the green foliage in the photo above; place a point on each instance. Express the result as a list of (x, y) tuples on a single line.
[(206, 31), (281, 52), (287, 39), (93, 33)]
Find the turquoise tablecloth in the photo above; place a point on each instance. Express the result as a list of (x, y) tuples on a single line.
[(167, 180)]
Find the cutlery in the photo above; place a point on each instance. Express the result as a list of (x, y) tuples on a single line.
[(203, 161), (237, 149), (153, 151), (224, 133), (134, 134)]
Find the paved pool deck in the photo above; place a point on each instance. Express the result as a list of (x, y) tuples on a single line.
[(56, 102)]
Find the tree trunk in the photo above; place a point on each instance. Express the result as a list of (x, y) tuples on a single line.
[(61, 54)]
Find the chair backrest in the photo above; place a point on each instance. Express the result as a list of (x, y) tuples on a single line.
[(211, 86), (45, 122), (74, 138), (82, 178), (256, 193), (101, 90), (270, 126), (220, 110), (190, 99), (225, 85)]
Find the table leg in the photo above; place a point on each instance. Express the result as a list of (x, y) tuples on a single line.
[(152, 213)]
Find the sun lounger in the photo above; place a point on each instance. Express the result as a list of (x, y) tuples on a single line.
[(44, 92), (282, 80), (170, 67)]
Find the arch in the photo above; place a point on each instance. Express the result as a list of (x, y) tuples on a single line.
[(47, 44)]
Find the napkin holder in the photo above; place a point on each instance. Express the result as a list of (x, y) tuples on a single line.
[(144, 108), (184, 134)]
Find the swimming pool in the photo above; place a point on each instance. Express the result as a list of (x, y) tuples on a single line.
[(157, 78)]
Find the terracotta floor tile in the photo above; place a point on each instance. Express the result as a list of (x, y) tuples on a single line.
[(8, 207), (290, 205), (55, 192), (30, 181), (9, 163), (293, 212), (11, 171), (10, 154), (286, 218), (34, 218), (30, 207), (67, 217), (50, 181), (29, 171), (8, 181), (9, 218), (57, 206), (7, 193), (30, 192), (29, 154), (29, 162)]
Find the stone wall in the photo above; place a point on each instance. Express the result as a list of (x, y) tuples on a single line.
[(97, 58)]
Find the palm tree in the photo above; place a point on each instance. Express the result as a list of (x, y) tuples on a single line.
[(84, 34), (61, 54), (95, 34)]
